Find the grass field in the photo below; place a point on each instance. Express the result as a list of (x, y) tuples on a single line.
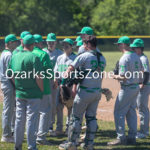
[(106, 130), (105, 134), (114, 56)]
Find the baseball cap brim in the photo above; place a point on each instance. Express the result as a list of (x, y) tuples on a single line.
[(65, 42), (38, 41), (80, 33), (15, 40), (50, 40), (132, 45)]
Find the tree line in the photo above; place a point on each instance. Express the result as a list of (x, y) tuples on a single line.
[(66, 17)]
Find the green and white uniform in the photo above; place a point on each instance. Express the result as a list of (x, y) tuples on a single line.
[(126, 100), (28, 96), (45, 106), (87, 97), (9, 95), (142, 99), (62, 63), (53, 57)]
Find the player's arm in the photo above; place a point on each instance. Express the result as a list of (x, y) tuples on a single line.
[(9, 73), (146, 72), (38, 68), (116, 70), (119, 77), (146, 79), (55, 74), (123, 68), (67, 72), (74, 65), (13, 81), (47, 64), (39, 82), (74, 90), (102, 65)]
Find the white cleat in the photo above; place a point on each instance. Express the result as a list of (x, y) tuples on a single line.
[(7, 139)]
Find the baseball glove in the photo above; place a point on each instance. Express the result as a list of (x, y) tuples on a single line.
[(107, 93), (65, 96), (116, 70)]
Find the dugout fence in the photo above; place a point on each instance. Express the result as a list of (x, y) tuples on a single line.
[(105, 43)]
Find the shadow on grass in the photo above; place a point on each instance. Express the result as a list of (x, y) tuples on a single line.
[(104, 136), (106, 133), (57, 140), (120, 148)]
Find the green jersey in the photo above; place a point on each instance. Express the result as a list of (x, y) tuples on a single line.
[(24, 65), (45, 61), (18, 49)]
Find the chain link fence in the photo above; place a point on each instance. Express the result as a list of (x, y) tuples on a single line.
[(104, 43)]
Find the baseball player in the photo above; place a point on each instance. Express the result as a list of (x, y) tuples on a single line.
[(25, 73), (45, 106), (77, 39), (87, 97), (142, 99), (78, 44), (62, 63), (125, 104), (53, 53), (20, 47), (85, 33), (7, 89)]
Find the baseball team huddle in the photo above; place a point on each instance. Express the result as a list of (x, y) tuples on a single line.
[(32, 102)]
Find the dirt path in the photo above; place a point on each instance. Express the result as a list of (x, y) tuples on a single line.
[(105, 109)]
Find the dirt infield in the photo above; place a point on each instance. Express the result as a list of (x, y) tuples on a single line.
[(105, 109)]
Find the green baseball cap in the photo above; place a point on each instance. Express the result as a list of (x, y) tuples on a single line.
[(10, 37), (78, 39), (67, 40), (38, 38), (24, 33), (137, 43), (79, 43), (51, 37), (28, 39), (86, 30), (123, 39)]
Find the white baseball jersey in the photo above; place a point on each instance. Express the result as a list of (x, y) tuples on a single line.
[(4, 61), (62, 63), (88, 60), (129, 64)]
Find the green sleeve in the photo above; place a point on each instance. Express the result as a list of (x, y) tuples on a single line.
[(48, 65), (37, 65)]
